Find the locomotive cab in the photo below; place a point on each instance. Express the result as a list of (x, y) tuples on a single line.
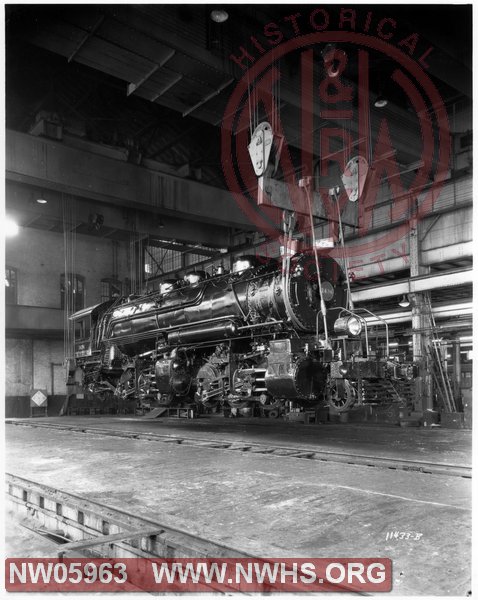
[(84, 328), (82, 336)]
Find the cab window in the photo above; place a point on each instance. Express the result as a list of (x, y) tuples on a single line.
[(82, 328)]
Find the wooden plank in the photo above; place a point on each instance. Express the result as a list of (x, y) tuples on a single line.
[(54, 43), (109, 54), (90, 31), (108, 539), (158, 84)]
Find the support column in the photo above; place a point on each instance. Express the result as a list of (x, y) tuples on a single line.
[(421, 326), (457, 368)]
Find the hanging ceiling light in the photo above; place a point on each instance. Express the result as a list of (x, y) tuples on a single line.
[(219, 15), (404, 302), (380, 101), (40, 198)]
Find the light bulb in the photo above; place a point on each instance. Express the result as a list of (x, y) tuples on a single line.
[(11, 228)]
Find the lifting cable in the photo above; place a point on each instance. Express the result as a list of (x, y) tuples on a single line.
[(323, 308), (251, 129), (308, 196), (68, 206), (135, 265), (286, 272), (345, 259), (132, 263)]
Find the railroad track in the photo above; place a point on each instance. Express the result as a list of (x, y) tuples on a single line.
[(296, 452)]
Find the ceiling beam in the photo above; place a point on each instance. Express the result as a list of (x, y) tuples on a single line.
[(49, 164), (288, 88), (132, 87), (185, 248), (439, 312), (86, 37), (149, 26), (21, 206), (414, 285)]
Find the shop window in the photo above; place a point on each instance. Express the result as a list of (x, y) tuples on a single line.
[(10, 285), (161, 260), (72, 292)]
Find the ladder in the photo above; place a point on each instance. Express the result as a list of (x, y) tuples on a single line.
[(382, 391), (438, 371)]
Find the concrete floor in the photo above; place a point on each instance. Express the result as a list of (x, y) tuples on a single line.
[(273, 507)]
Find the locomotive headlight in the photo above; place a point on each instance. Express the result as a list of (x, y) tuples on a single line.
[(354, 326), (112, 353), (348, 325)]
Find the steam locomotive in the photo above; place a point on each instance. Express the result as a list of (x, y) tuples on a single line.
[(258, 337)]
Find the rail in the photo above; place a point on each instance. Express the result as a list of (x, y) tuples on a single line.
[(283, 452)]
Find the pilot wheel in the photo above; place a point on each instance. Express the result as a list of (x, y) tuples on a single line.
[(341, 395)]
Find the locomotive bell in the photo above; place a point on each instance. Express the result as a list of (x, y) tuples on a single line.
[(242, 263), (167, 285), (194, 277)]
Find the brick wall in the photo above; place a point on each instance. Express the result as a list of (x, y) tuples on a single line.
[(18, 367)]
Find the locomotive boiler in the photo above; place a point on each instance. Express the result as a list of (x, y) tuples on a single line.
[(254, 337)]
